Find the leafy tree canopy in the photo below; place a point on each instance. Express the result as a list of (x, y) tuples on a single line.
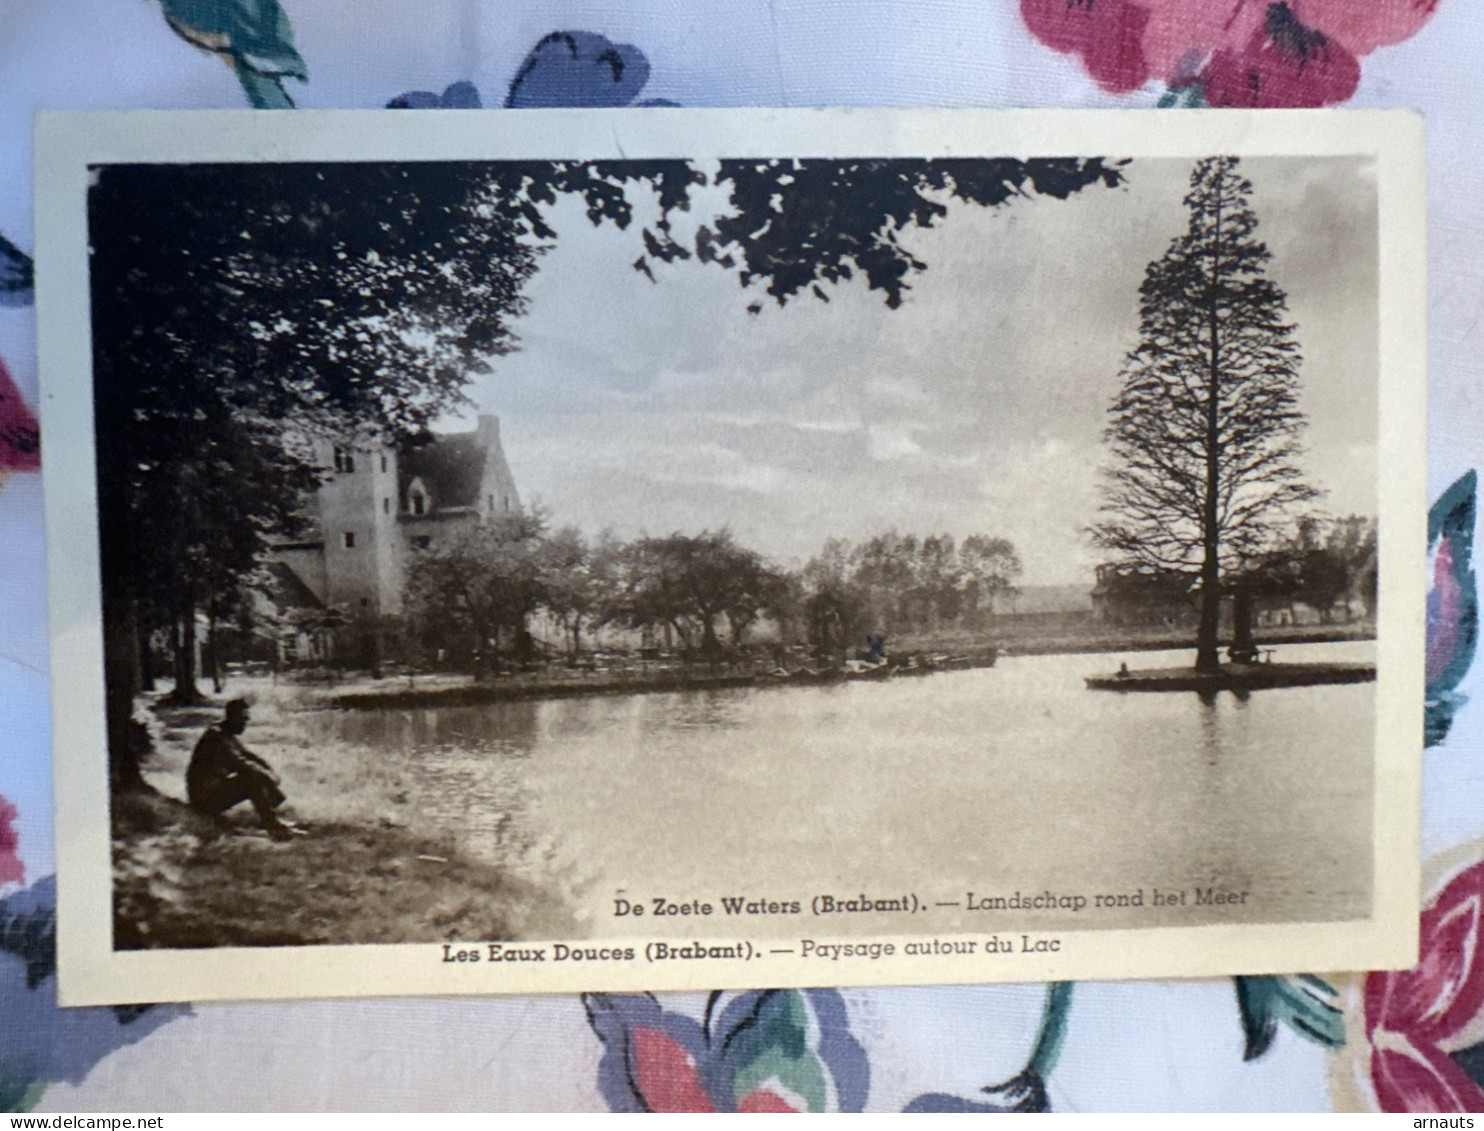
[(240, 309), (799, 223), (486, 577)]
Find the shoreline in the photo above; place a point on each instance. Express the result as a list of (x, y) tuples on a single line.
[(378, 866), (980, 654), (1239, 678), (1067, 646)]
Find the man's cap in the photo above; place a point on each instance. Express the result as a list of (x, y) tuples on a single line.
[(237, 707)]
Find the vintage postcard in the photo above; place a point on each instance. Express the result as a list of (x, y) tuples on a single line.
[(665, 549)]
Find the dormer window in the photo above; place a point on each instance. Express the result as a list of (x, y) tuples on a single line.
[(417, 497), (345, 460)]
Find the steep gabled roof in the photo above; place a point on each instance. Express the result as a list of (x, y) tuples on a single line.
[(451, 468), (287, 590)]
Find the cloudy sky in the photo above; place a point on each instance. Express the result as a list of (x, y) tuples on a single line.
[(978, 406)]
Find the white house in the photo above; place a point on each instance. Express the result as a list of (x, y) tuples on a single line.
[(378, 505)]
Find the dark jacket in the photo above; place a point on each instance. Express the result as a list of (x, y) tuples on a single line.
[(220, 766)]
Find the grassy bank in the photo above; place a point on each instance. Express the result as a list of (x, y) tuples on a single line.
[(179, 883), (369, 870)]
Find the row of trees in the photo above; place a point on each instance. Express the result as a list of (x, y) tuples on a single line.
[(1328, 565), (485, 585), (239, 309), (900, 583), (705, 592), (1324, 563)]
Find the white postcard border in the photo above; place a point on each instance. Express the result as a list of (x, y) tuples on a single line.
[(91, 972)]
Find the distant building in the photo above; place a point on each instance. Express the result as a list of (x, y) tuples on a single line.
[(379, 505), (1140, 595), (1043, 610)]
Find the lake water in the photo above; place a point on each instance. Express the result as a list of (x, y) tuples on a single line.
[(991, 782)]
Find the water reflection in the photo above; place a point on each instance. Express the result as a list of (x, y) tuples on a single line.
[(1011, 778), (1210, 731), (509, 728), (708, 710)]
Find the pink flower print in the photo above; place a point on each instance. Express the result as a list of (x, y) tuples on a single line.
[(1361, 26), (1231, 52), (1283, 63), (763, 1051), (1417, 1019), (20, 444), (12, 871), (1443, 602), (665, 1073), (1108, 36)]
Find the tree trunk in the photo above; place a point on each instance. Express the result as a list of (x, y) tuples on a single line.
[(525, 643), (1242, 617), (185, 692), (710, 645), (145, 660), (212, 658), (1208, 628), (484, 656), (377, 647), (1207, 655), (739, 628), (672, 630), (121, 683)]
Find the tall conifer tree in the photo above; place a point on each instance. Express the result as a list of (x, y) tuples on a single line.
[(1204, 431)]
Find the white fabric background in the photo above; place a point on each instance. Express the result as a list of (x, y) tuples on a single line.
[(1130, 1046)]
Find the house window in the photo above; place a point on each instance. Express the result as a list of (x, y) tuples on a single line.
[(365, 601), (507, 504), (417, 504), (383, 463), (421, 542), (350, 539), (345, 460), (386, 505), (492, 504)]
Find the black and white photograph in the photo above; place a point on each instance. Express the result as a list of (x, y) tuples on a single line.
[(868, 548)]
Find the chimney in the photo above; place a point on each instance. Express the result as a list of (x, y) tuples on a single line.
[(488, 431)]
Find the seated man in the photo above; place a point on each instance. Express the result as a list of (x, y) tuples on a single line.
[(224, 773)]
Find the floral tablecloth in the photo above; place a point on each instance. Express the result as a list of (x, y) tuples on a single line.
[(1398, 1042)]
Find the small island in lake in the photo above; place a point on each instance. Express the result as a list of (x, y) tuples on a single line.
[(1233, 677)]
